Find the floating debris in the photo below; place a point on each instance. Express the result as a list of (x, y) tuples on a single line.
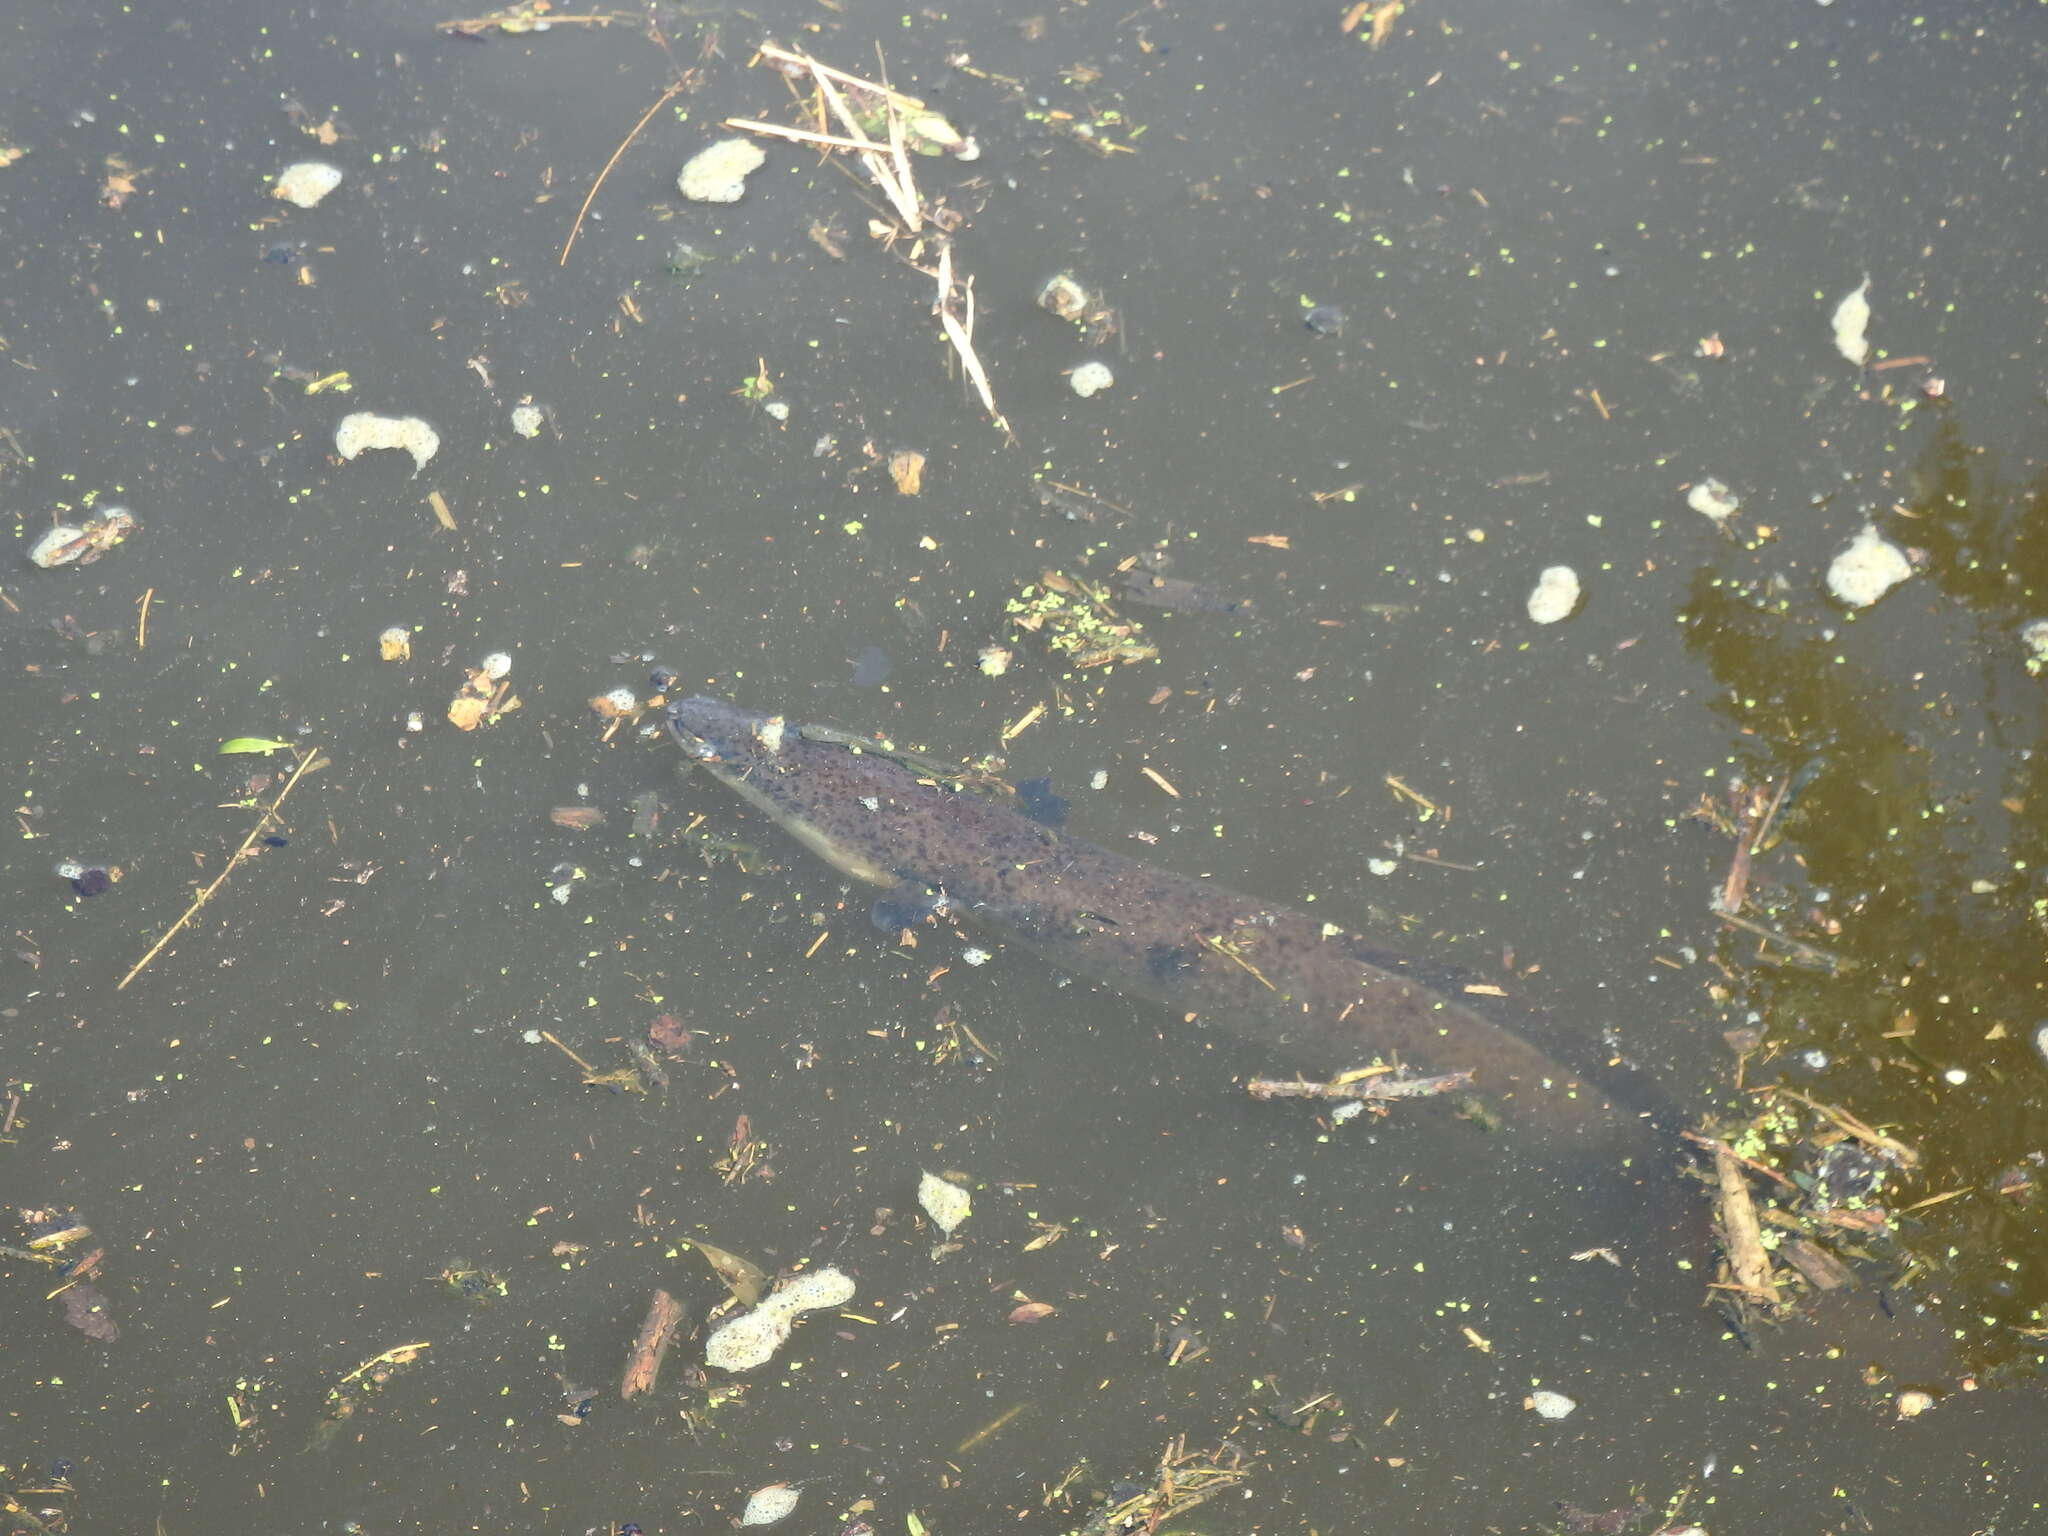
[(906, 468), (81, 545), (1556, 595), (752, 1338), (1550, 1405), (1712, 499), (304, 184), (2034, 636), (742, 1277), (1870, 567), (1090, 379), (485, 696), (1851, 320), (944, 1201), (650, 1348), (528, 419), (719, 174), (1062, 294), (620, 701), (994, 660), (363, 430), (1078, 622), (1324, 320), (89, 879), (1912, 1403), (395, 644), (767, 1505), (356, 1394)]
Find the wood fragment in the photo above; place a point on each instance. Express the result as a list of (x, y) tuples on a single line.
[(1158, 778), (1819, 1268), (1382, 1086), (1030, 718), (643, 1365), (441, 513), (1748, 1260)]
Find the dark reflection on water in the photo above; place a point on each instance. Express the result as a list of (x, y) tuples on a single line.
[(328, 1090)]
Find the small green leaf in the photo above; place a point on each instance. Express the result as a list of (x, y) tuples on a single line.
[(253, 744)]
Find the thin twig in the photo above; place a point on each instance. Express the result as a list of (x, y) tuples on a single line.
[(889, 167), (1888, 1146), (576, 228), (307, 760), (588, 1069), (1736, 885), (1717, 1146), (784, 56), (1380, 1087), (803, 135), (1834, 963)]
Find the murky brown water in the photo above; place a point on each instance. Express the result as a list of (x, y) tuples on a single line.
[(324, 1093)]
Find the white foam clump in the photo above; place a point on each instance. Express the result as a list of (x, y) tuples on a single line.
[(1551, 1405), (753, 1337), (1556, 594), (527, 420), (944, 1201), (1712, 499), (719, 174), (363, 430), (304, 184), (1090, 379), (1870, 567), (1851, 320), (768, 1505)]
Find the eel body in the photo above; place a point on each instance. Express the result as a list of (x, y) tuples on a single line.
[(1324, 999)]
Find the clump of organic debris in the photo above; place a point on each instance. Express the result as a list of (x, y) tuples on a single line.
[(1078, 622), (1182, 1480), (1804, 1194), (358, 1390)]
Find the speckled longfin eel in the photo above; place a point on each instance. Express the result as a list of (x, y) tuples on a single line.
[(1269, 973)]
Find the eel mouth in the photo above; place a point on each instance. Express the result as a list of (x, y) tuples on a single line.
[(713, 731)]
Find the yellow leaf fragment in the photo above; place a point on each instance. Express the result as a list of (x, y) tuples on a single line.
[(906, 468)]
